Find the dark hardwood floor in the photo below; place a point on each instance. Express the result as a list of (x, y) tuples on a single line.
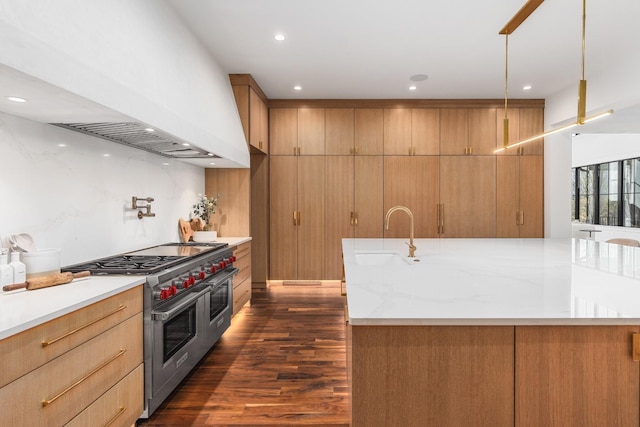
[(282, 363)]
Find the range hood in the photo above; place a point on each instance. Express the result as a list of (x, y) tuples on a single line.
[(143, 137)]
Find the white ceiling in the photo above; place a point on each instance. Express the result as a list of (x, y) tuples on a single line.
[(339, 49)]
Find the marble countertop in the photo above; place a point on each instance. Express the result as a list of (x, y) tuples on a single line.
[(233, 241), (23, 309), (493, 282)]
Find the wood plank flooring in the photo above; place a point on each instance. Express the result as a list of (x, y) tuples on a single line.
[(281, 363)]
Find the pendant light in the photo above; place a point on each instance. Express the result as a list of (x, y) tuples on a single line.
[(581, 118)]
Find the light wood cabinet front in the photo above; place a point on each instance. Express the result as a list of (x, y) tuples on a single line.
[(283, 241), (242, 280), (413, 182), (369, 131), (576, 376), (468, 196), (523, 123), (520, 195), (432, 376), (283, 131), (311, 217), (482, 131), (311, 131), (454, 131), (397, 132), (258, 122), (425, 131), (339, 131)]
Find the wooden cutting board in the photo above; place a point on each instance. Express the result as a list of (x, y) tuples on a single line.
[(188, 227)]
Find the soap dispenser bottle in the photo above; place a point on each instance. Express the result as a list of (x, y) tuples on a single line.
[(6, 272), (19, 269)]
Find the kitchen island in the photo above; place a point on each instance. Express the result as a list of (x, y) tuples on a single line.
[(493, 332)]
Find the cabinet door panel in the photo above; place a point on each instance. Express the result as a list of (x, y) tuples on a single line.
[(369, 131), (311, 205), (468, 193), (311, 124), (397, 131), (283, 231), (283, 131), (576, 376), (482, 130), (532, 195), (339, 131), (531, 124), (340, 206), (258, 122), (507, 196), (411, 181), (425, 131), (454, 130), (368, 196)]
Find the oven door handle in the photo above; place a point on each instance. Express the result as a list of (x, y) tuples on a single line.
[(167, 314), (216, 280)]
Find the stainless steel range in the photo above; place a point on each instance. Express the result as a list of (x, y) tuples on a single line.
[(187, 307)]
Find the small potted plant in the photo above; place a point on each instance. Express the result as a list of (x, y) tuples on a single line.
[(204, 209)]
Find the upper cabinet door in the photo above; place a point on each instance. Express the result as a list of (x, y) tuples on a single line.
[(258, 122), (531, 124), (425, 131), (397, 132), (454, 131), (283, 131), (482, 131), (311, 127), (369, 131), (339, 129)]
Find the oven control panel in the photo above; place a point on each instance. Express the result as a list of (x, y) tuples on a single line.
[(187, 280)]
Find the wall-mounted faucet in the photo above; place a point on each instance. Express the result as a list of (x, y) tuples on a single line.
[(412, 248), (134, 205)]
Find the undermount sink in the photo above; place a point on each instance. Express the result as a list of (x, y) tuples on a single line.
[(383, 257)]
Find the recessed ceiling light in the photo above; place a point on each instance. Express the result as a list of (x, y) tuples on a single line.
[(418, 77), (527, 87), (210, 154), (165, 164), (16, 99), (297, 87), (150, 129), (279, 37), (62, 145), (186, 144), (106, 155), (412, 87), (212, 164)]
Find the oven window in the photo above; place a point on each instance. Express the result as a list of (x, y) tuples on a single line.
[(179, 331), (219, 300)]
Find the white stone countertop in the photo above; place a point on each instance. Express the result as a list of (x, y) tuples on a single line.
[(493, 282), (233, 241), (22, 309)]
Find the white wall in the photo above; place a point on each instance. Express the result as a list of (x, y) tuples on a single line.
[(590, 149), (132, 56), (76, 199), (616, 85)]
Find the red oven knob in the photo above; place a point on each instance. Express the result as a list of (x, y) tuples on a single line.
[(164, 293), (185, 283), (213, 269), (173, 290), (221, 265), (192, 280), (201, 275), (232, 258)]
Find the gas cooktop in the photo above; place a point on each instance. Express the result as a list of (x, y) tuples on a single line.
[(146, 261)]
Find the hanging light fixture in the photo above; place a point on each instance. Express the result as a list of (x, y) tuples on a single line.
[(581, 118)]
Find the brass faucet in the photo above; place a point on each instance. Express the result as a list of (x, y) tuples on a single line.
[(412, 248)]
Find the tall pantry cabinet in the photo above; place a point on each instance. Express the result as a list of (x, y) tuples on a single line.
[(297, 194)]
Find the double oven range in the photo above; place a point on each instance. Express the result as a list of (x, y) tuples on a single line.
[(187, 307)]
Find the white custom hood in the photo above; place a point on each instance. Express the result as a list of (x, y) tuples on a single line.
[(113, 69)]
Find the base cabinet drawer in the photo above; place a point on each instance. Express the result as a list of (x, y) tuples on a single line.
[(34, 347), (57, 391), (120, 406), (241, 295)]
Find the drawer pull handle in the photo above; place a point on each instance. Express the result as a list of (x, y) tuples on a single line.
[(112, 419), (46, 343), (81, 380)]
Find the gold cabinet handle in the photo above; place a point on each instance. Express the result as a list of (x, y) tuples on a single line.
[(356, 150), (81, 380), (521, 217), (295, 217), (112, 419), (356, 219), (299, 217), (47, 343), (441, 218), (635, 347)]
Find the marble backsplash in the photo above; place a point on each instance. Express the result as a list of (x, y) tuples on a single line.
[(73, 192)]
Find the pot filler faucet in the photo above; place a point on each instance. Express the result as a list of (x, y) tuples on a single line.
[(412, 248)]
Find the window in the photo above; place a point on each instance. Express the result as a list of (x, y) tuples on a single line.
[(607, 193)]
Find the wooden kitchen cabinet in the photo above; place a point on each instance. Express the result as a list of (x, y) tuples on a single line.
[(576, 376), (520, 196), (397, 132), (467, 196), (467, 131), (339, 131), (89, 351), (369, 131), (413, 182), (297, 188), (425, 131), (253, 111), (242, 280), (297, 131), (311, 131), (523, 123), (353, 203)]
